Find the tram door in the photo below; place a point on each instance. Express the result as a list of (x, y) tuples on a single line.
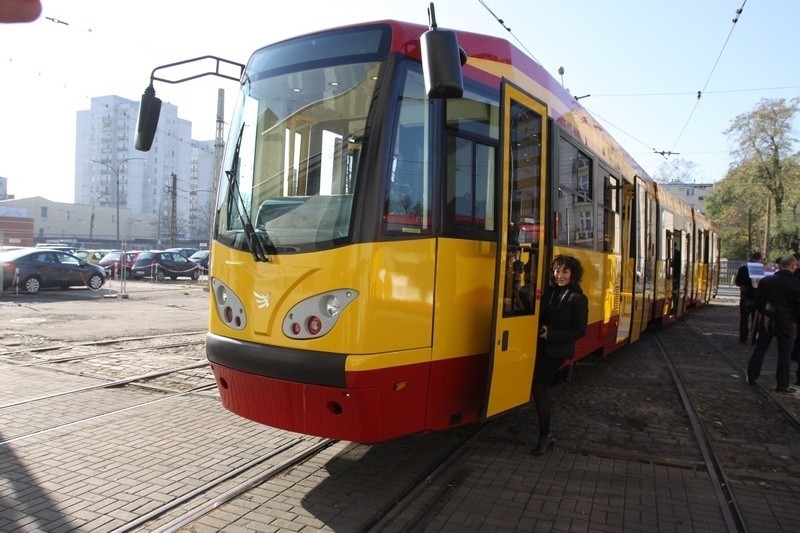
[(520, 248), (644, 257), (628, 290)]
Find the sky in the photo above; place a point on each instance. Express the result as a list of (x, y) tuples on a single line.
[(641, 61)]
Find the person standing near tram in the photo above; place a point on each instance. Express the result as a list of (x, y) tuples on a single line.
[(565, 317), (746, 294), (778, 300), (796, 348)]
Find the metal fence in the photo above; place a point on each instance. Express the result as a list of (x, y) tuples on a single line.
[(119, 287)]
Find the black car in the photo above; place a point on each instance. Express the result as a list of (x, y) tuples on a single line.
[(200, 258), (111, 263), (162, 264), (31, 269), (185, 252)]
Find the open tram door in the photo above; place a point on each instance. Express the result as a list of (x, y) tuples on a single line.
[(521, 238)]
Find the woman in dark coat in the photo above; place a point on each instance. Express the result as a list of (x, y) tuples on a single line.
[(565, 315)]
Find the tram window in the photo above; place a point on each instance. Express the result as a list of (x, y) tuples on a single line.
[(576, 221), (473, 115), (473, 125), (470, 184), (407, 205), (610, 223)]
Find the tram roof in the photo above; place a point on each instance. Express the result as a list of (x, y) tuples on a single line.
[(491, 59)]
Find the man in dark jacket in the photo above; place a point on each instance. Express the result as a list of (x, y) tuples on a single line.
[(778, 301), (746, 294), (796, 349)]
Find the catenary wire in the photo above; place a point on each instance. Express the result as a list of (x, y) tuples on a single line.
[(708, 80)]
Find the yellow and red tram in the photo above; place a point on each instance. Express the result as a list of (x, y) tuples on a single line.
[(378, 252)]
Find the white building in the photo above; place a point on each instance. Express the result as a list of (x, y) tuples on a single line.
[(694, 194), (173, 182)]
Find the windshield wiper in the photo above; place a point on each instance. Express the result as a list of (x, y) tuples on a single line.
[(257, 247)]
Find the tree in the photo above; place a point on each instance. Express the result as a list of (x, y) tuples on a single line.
[(762, 181), (765, 144), (676, 171), (739, 208)]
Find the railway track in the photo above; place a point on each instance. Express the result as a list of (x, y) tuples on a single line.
[(195, 504), (218, 469), (75, 409), (688, 409), (170, 362), (253, 481), (748, 435), (51, 353)]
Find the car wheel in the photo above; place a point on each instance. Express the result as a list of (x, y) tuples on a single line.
[(160, 275), (95, 281), (32, 284), (195, 274)]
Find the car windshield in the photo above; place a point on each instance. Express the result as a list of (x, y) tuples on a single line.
[(145, 256), (297, 138)]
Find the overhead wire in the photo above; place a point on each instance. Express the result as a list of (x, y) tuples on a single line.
[(685, 93), (664, 153), (503, 24), (710, 74)]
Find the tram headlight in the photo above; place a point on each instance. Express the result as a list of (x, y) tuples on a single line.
[(229, 307), (333, 306), (317, 315)]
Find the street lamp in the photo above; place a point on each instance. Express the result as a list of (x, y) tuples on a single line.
[(116, 177)]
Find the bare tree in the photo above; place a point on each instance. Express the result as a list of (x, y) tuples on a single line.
[(677, 171)]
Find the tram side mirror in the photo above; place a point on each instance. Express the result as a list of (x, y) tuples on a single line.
[(149, 111), (441, 61)]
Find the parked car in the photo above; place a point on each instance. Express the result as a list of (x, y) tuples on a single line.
[(31, 269), (110, 262), (185, 252), (91, 256), (162, 264), (201, 258), (56, 246)]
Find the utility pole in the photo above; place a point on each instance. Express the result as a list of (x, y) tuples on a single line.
[(219, 141), (219, 154), (91, 223), (173, 219), (116, 170)]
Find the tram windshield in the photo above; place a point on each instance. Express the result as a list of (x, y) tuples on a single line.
[(291, 164)]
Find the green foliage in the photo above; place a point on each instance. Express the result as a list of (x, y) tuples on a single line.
[(757, 204)]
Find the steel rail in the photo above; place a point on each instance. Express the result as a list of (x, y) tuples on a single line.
[(107, 385), (731, 513), (115, 411)]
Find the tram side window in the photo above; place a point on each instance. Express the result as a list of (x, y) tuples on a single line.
[(407, 204), (470, 184), (575, 206), (472, 124), (609, 221)]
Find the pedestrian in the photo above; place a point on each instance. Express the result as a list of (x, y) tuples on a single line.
[(796, 349), (564, 318), (778, 300), (746, 294)]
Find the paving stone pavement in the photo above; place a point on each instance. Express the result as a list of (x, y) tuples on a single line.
[(52, 482)]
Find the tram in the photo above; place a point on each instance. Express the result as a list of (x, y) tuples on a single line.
[(381, 241)]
